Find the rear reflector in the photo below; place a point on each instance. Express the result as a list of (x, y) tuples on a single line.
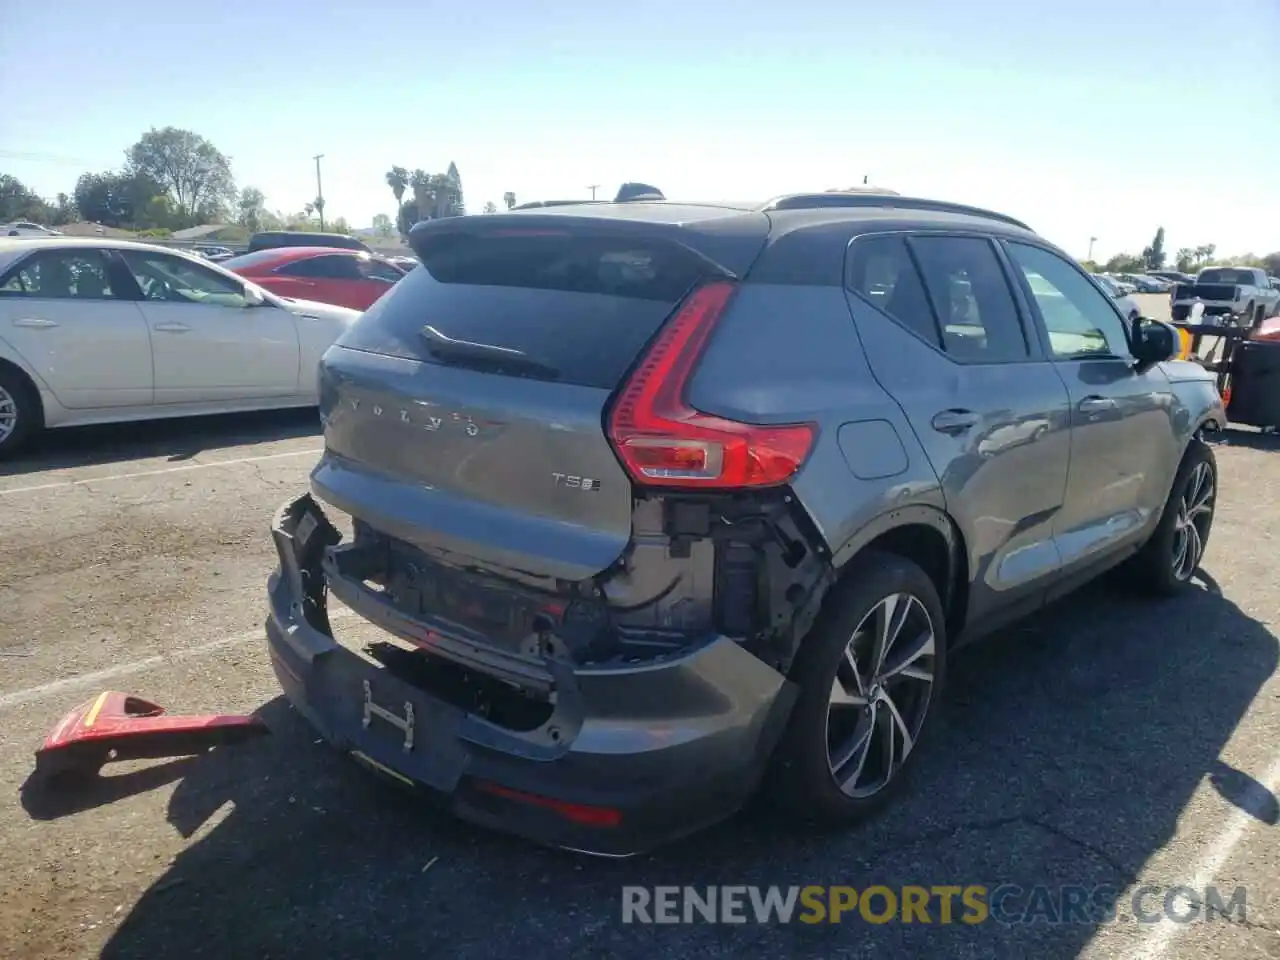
[(580, 813), (662, 441)]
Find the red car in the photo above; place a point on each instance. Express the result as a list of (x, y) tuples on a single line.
[(347, 278)]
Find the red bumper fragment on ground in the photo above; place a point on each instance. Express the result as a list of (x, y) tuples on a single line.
[(117, 726)]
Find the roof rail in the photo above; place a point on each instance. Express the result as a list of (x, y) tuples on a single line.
[(816, 201)]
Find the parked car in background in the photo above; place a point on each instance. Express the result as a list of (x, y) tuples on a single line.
[(25, 228), (214, 253), (1243, 291), (103, 331), (1173, 276), (299, 238), (641, 544), (348, 278), (1145, 284), (1114, 290), (1124, 286)]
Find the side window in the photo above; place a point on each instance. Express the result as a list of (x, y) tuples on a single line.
[(881, 271), (169, 279), (330, 267), (372, 269), (971, 296), (60, 275), (1079, 318)]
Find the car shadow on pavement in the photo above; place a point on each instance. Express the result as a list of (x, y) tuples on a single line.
[(1066, 750), (177, 440)]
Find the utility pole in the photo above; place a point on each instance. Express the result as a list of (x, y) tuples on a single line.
[(319, 190), (593, 188), (1092, 241)]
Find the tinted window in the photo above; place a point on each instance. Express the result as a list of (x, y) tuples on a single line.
[(580, 308), (1225, 276), (171, 279), (971, 297), (1079, 318), (60, 275), (331, 267), (372, 268), (882, 271)]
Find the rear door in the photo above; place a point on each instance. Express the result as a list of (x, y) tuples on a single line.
[(989, 409), (464, 411), (210, 342), (66, 313), (1124, 438)]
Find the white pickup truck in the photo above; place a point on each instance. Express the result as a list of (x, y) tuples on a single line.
[(1243, 291)]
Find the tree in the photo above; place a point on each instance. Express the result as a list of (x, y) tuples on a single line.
[(119, 199), (382, 225), (509, 199), (453, 205), (318, 206), (420, 183), (407, 217), (251, 208), (1271, 263), (490, 207), (19, 202), (64, 212), (191, 169), (1183, 259), (398, 181), (1091, 266), (1123, 263), (1153, 257)]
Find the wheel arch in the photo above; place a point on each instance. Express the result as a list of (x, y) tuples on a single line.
[(928, 537), (10, 366)]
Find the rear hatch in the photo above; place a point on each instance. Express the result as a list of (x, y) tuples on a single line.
[(464, 412)]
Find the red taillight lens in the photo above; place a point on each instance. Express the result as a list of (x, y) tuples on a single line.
[(662, 441)]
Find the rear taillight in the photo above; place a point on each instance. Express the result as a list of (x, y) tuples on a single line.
[(664, 442)]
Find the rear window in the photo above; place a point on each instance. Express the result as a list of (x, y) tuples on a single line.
[(1225, 276), (573, 309)]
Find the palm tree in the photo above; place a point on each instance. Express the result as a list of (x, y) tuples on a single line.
[(509, 199), (398, 180), (420, 182)]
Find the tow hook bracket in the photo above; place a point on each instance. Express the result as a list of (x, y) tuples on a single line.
[(117, 726), (403, 724)]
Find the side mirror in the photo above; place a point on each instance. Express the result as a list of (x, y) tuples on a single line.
[(1154, 341)]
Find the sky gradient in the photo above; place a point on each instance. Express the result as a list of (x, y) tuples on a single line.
[(1084, 119)]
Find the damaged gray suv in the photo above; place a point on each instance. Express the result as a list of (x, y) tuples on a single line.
[(660, 504)]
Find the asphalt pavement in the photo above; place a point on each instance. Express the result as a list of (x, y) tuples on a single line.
[(1109, 741)]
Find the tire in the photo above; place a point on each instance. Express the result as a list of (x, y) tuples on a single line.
[(1160, 567), (803, 778), (21, 417)]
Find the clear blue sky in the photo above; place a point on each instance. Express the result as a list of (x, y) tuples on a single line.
[(1079, 117)]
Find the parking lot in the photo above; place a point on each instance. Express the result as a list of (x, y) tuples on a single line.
[(1109, 741)]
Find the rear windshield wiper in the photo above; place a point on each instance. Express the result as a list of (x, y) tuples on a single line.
[(485, 355)]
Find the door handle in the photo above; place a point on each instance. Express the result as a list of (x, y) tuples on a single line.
[(1096, 404), (172, 327), (954, 421), (38, 322)]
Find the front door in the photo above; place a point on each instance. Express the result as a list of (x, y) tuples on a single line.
[(1124, 444), (64, 311), (211, 342), (990, 410)]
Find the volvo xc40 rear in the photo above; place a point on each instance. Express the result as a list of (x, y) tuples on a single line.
[(599, 471)]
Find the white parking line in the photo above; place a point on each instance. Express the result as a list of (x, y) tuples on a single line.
[(97, 677), (156, 473), (1160, 936)]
